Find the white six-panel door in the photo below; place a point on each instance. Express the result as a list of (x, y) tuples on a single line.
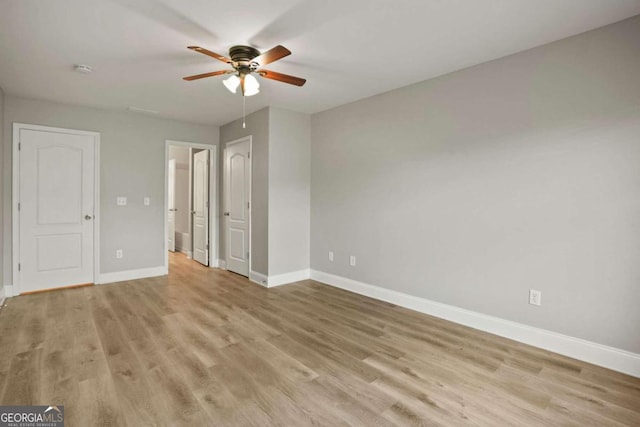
[(56, 209), (237, 181), (201, 207)]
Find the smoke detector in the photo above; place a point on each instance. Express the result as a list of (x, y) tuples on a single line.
[(84, 69)]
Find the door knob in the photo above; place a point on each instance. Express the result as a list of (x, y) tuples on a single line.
[(226, 213), (88, 217)]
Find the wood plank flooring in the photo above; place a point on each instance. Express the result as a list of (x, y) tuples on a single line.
[(207, 347)]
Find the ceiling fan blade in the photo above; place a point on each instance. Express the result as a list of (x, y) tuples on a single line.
[(285, 78), (202, 76), (211, 54), (272, 55)]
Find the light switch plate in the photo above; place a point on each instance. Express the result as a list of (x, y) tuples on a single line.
[(121, 201)]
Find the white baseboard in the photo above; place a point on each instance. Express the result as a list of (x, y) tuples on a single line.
[(587, 351), (220, 263), (8, 291), (283, 279), (258, 278), (183, 243), (2, 297), (120, 276), (280, 279)]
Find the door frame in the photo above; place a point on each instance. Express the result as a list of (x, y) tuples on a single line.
[(213, 199), (224, 196), (174, 202), (15, 197)]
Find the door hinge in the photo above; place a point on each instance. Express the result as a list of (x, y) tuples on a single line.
[(249, 155), (19, 266), (18, 206), (19, 146), (247, 255), (248, 206)]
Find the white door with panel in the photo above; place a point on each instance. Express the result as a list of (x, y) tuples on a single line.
[(237, 182), (171, 202), (201, 207), (56, 209)]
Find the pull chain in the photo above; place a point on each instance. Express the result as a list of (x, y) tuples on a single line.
[(244, 114)]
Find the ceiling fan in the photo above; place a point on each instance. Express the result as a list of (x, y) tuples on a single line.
[(247, 61)]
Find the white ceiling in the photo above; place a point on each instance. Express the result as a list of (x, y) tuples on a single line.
[(346, 49)]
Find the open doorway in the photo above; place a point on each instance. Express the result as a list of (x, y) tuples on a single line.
[(190, 199)]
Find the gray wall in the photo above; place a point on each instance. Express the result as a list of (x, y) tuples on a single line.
[(132, 150), (474, 187), (289, 191), (258, 128)]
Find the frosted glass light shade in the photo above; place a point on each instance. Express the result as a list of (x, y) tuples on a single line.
[(232, 83), (251, 85)]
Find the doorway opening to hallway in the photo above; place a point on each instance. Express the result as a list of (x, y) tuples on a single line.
[(191, 223)]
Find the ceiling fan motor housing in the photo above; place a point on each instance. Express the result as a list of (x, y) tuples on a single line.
[(242, 57)]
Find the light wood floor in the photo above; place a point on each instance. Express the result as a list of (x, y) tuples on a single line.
[(207, 347)]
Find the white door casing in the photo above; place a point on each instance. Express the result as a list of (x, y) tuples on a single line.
[(54, 207), (201, 207), (171, 213), (237, 212)]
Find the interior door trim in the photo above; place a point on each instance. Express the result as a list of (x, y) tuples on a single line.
[(224, 196), (214, 223), (15, 198)]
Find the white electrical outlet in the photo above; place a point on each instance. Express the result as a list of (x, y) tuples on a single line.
[(535, 297), (119, 254), (331, 256), (147, 201), (352, 260), (121, 201)]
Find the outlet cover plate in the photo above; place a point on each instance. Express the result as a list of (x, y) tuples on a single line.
[(535, 297)]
